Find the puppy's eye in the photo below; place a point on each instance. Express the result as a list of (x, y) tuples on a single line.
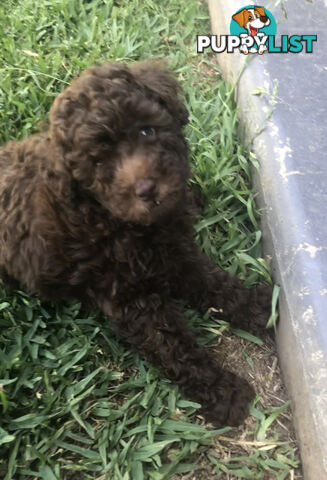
[(250, 17), (147, 131)]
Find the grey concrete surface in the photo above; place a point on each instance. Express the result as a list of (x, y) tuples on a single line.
[(292, 186)]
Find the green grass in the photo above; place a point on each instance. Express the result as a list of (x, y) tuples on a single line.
[(75, 403)]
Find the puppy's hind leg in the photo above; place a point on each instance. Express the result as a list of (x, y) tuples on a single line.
[(156, 327)]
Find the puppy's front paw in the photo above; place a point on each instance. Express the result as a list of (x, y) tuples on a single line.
[(260, 307), (229, 401), (251, 309)]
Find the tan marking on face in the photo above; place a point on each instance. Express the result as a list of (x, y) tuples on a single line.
[(120, 198), (132, 169), (165, 189)]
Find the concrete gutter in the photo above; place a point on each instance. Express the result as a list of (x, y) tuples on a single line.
[(292, 191)]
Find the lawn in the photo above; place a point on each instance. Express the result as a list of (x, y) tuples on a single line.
[(75, 403)]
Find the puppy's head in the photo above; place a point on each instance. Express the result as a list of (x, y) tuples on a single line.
[(118, 131)]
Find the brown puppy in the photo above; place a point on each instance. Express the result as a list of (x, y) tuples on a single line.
[(97, 208)]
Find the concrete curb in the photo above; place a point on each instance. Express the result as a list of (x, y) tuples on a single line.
[(292, 191)]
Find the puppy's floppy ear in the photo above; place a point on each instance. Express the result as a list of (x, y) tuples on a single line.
[(240, 17), (163, 87), (78, 112), (261, 11), (64, 114)]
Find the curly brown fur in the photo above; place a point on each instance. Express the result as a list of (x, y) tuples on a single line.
[(97, 208)]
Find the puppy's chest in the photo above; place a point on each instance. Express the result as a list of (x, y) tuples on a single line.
[(141, 256), (121, 258)]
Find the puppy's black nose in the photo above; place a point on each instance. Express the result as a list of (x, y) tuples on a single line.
[(264, 18), (145, 188)]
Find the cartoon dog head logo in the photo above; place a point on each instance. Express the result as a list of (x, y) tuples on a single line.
[(253, 21)]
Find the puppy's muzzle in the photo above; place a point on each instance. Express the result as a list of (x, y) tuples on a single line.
[(146, 189)]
